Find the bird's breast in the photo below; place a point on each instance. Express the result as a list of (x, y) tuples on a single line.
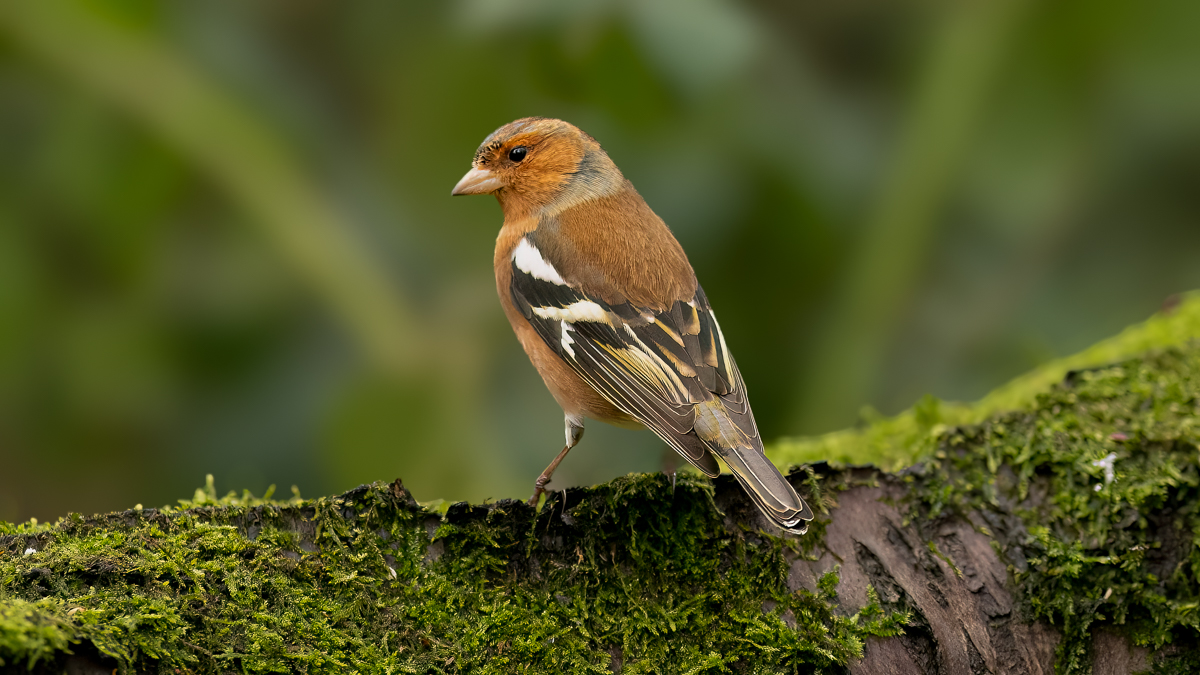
[(573, 394)]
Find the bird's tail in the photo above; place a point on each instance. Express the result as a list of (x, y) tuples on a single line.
[(743, 454), (771, 492)]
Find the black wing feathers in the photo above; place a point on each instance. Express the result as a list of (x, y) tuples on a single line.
[(605, 356)]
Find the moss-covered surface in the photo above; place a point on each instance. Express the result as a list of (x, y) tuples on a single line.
[(638, 573), (635, 572), (1104, 474)]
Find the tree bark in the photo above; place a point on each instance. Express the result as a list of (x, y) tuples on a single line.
[(1007, 550)]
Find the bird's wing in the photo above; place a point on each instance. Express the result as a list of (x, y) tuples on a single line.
[(670, 369), (667, 368)]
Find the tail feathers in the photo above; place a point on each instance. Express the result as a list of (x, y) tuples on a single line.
[(734, 438), (770, 491)]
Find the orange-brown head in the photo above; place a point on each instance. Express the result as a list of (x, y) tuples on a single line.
[(538, 164)]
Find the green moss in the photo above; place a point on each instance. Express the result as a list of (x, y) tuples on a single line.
[(1126, 555), (1121, 549), (33, 631), (640, 572), (634, 571)]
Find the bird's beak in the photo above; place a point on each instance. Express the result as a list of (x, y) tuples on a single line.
[(477, 182)]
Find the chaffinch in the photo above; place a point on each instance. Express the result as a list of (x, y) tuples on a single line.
[(606, 305)]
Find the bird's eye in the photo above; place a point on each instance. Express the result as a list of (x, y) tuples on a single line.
[(517, 154)]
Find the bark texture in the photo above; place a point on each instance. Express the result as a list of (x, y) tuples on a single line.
[(963, 614)]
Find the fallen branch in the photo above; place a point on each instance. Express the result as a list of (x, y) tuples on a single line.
[(1057, 538)]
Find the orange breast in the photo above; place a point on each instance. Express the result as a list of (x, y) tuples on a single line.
[(576, 397)]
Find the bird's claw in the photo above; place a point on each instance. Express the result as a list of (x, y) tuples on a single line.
[(539, 487)]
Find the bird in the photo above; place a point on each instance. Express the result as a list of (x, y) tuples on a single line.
[(607, 306)]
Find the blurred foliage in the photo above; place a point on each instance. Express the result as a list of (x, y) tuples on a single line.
[(227, 246), (896, 442)]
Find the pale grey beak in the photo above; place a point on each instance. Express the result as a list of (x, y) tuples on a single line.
[(477, 182)]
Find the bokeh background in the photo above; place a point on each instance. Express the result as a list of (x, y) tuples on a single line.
[(227, 243)]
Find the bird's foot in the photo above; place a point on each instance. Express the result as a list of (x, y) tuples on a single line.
[(539, 487)]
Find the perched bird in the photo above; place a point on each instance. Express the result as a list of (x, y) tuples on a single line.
[(606, 305)]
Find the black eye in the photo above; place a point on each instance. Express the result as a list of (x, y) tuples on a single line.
[(517, 154)]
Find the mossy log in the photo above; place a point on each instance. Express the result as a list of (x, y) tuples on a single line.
[(1059, 537)]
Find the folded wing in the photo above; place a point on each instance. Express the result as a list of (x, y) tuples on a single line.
[(669, 369)]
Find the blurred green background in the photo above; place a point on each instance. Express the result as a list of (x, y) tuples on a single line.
[(227, 243)]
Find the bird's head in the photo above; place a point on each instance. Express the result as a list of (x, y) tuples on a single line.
[(539, 164)]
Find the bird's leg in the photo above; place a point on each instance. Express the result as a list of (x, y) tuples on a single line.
[(574, 433), (539, 485), (670, 464)]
